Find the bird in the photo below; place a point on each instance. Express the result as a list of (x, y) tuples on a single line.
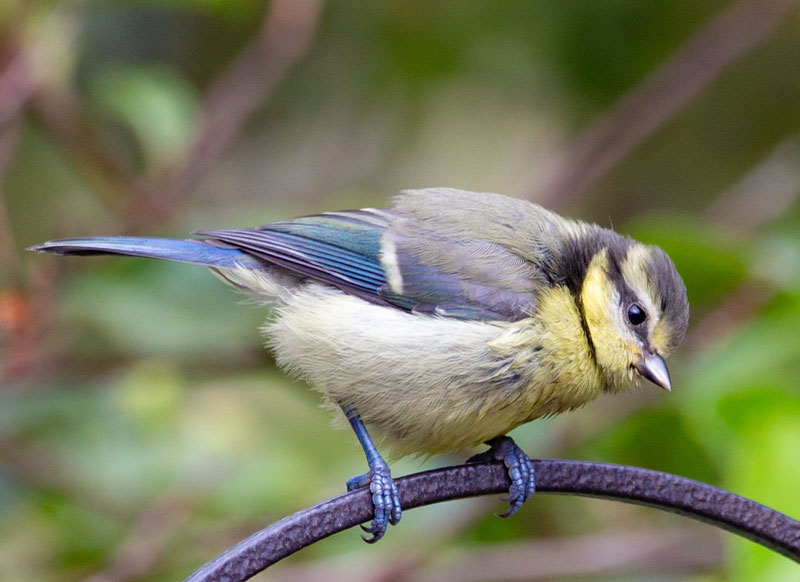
[(445, 320)]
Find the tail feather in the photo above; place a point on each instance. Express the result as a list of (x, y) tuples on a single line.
[(186, 251)]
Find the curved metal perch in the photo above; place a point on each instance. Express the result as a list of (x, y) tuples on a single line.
[(617, 482)]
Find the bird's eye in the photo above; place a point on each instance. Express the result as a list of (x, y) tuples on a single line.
[(636, 315)]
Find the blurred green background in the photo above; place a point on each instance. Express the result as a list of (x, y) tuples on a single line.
[(143, 429)]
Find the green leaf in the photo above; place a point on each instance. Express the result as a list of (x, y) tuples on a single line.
[(157, 106), (154, 307), (763, 466)]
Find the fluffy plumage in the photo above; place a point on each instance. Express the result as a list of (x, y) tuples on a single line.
[(450, 318)]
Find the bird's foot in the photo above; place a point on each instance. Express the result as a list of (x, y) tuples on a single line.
[(385, 499), (519, 467)]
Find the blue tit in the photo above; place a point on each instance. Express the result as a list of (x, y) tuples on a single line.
[(446, 320)]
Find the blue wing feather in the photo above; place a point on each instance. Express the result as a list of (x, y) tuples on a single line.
[(358, 231), (314, 259), (185, 251), (339, 248)]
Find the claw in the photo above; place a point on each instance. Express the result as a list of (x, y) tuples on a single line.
[(385, 499), (520, 471)]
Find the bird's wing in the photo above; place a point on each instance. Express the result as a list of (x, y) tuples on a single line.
[(338, 248), (420, 259), (470, 254)]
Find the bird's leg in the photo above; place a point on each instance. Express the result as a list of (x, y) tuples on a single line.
[(519, 467), (385, 497)]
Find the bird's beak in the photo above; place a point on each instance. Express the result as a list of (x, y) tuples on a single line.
[(653, 367)]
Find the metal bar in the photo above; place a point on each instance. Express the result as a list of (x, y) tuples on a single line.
[(663, 491)]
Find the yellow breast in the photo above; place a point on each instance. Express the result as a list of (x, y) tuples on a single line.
[(548, 351), (552, 351)]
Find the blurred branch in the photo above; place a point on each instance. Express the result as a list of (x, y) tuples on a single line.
[(16, 314), (738, 309), (59, 110), (15, 311), (629, 484), (16, 86), (148, 540), (653, 551), (285, 37), (36, 78), (604, 553), (34, 60), (764, 193), (9, 262), (657, 99), (762, 196)]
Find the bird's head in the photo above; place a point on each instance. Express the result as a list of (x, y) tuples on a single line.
[(636, 311)]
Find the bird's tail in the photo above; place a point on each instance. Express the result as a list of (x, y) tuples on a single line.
[(199, 252)]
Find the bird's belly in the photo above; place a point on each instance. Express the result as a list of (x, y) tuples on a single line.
[(498, 409), (428, 384)]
